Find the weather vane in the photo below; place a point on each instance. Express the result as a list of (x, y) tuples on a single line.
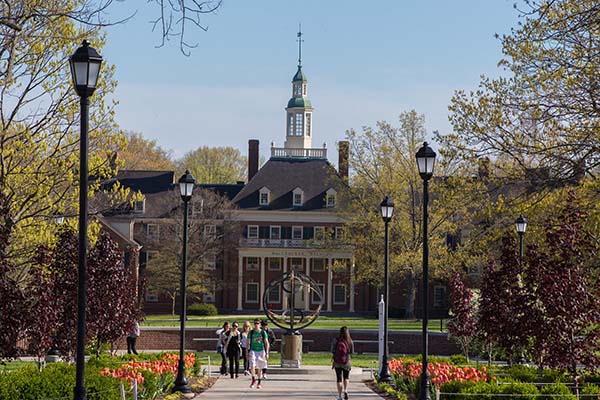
[(300, 40)]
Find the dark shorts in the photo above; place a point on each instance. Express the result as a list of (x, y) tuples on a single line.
[(341, 371)]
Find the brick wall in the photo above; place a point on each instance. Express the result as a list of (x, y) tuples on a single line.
[(405, 342)]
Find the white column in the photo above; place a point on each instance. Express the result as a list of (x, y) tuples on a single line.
[(352, 284), (240, 281), (262, 283), (329, 283), (306, 292)]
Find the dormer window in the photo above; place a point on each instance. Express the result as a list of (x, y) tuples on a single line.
[(139, 206), (330, 198), (298, 199), (264, 196)]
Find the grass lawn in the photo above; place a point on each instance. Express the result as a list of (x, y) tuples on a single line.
[(321, 323)]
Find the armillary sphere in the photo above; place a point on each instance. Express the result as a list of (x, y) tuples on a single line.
[(292, 284)]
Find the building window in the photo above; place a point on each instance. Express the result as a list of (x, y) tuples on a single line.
[(330, 200), (264, 199), (296, 264), (274, 295), (252, 264), (210, 261), (318, 264), (339, 294), (439, 296), (297, 198), (290, 124), (299, 128), (274, 264), (314, 298), (275, 232), (297, 90), (139, 206), (319, 233), (308, 123), (297, 232), (304, 89), (252, 231), (210, 231), (339, 233), (153, 231), (251, 292)]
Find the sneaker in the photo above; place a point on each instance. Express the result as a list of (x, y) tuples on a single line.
[(345, 395), (258, 386), (253, 384), (264, 376), (245, 373)]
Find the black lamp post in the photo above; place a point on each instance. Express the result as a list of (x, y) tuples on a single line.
[(521, 225), (186, 186), (425, 163), (387, 210), (85, 67)]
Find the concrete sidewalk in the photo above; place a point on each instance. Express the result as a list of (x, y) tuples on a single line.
[(316, 383)]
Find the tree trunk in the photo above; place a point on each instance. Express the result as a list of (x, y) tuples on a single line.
[(411, 295), (173, 298)]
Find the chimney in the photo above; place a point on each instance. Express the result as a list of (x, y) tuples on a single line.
[(252, 158), (343, 154)]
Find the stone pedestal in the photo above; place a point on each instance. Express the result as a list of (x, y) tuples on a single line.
[(291, 350)]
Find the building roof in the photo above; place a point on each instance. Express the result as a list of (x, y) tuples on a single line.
[(145, 181), (228, 191), (299, 77), (299, 102), (281, 176)]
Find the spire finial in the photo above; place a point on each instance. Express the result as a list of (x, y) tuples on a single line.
[(300, 40)]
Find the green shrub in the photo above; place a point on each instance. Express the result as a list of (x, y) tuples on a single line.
[(483, 389), (458, 359), (389, 389), (523, 373), (590, 391), (561, 391), (527, 391), (202, 309)]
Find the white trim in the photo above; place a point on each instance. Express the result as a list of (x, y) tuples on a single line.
[(264, 190), (310, 217), (337, 285), (257, 292), (138, 210), (248, 232), (296, 192), (295, 228), (276, 228), (280, 263), (339, 232)]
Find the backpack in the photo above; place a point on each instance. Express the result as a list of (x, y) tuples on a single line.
[(341, 352)]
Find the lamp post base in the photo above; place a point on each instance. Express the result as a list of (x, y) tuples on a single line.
[(425, 393), (384, 374), (182, 387)]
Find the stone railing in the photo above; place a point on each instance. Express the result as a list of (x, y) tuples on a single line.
[(282, 152)]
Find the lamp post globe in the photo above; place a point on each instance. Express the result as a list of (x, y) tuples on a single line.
[(425, 163), (521, 226), (186, 189), (387, 211), (85, 66)]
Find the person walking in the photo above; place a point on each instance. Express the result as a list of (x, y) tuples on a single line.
[(258, 353), (341, 349), (234, 349), (132, 336), (271, 338), (244, 343), (221, 348)]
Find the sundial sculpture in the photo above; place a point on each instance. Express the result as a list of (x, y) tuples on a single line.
[(290, 318)]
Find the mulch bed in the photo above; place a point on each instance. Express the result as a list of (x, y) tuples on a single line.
[(371, 384), (197, 384)]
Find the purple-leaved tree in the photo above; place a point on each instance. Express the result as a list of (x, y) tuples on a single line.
[(462, 326)]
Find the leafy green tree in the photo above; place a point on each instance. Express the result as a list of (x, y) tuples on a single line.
[(213, 165), (144, 154), (542, 112), (383, 163)]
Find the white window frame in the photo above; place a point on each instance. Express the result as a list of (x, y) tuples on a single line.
[(296, 229), (210, 231), (330, 198), (324, 264), (154, 236), (335, 287), (296, 267), (339, 233), (250, 229), (320, 236), (136, 206), (275, 289), (210, 261), (297, 192), (275, 228), (291, 124), (248, 300), (299, 124), (273, 267), (255, 266), (312, 296), (308, 123), (264, 192)]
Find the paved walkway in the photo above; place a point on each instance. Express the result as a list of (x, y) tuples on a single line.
[(317, 383)]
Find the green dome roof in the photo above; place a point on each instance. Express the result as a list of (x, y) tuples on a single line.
[(299, 102), (299, 77)]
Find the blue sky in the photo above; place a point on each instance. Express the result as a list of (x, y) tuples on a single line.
[(365, 61)]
